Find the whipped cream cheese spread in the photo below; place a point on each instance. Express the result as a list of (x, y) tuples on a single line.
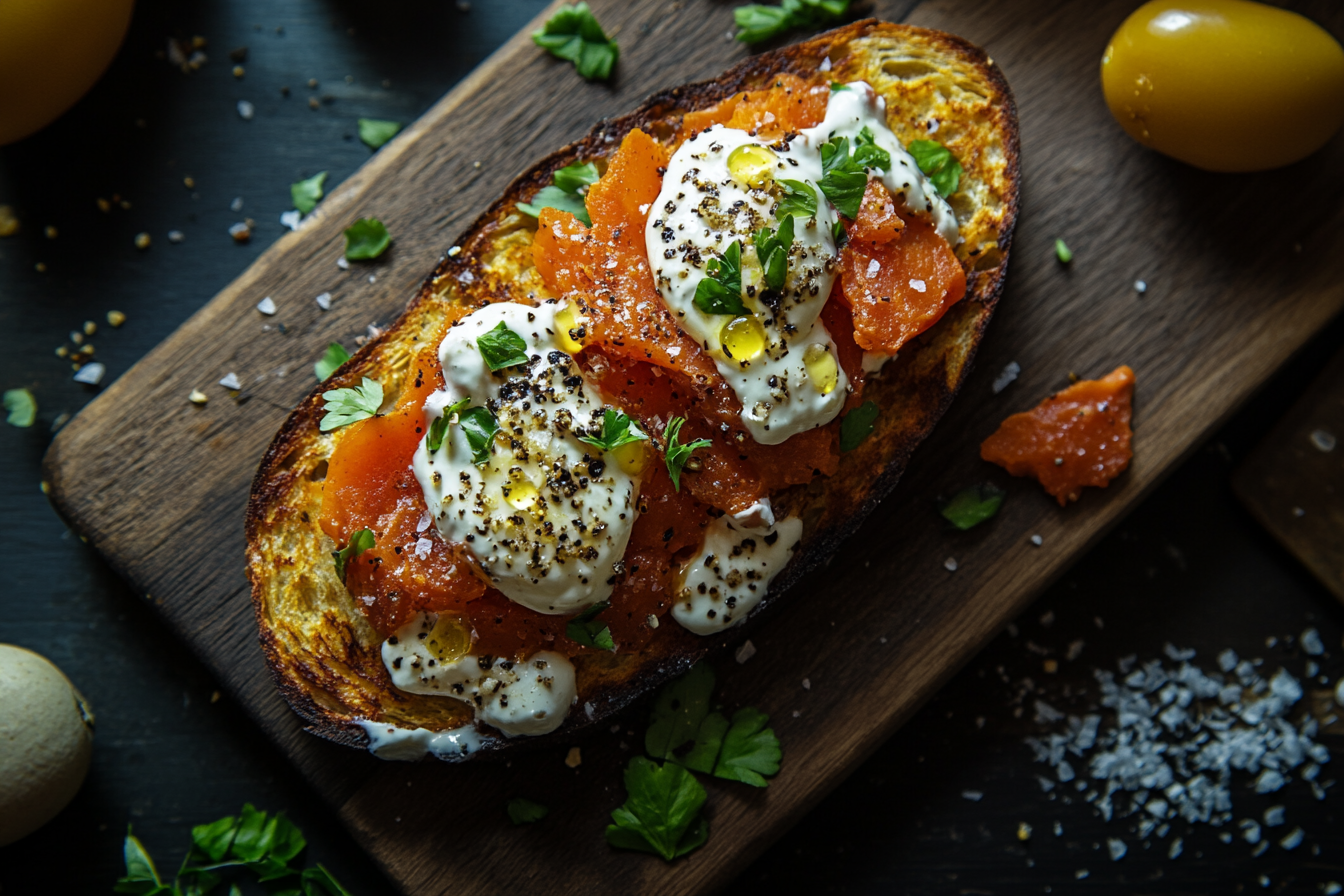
[(545, 516), (409, 744), (731, 572)]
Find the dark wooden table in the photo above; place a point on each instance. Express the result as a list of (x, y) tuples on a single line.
[(1190, 566)]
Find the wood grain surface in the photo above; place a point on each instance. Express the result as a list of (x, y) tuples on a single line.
[(159, 485), (1294, 480)]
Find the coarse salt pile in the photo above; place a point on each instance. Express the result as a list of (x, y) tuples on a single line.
[(1176, 738)]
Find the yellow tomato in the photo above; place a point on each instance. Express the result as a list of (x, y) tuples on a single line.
[(51, 52), (1226, 85)]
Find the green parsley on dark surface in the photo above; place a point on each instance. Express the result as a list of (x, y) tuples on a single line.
[(772, 251), (937, 161), (681, 706), (21, 407), (720, 292), (501, 347), (365, 239), (307, 193), (360, 542), (845, 171), (857, 426), (374, 132), (333, 357), (800, 199), (268, 846), (348, 405), (676, 453), (750, 751), (479, 426), (617, 430), (757, 23), (566, 192), (585, 629), (972, 506), (661, 814), (573, 34), (1063, 252), (524, 811), (438, 429)]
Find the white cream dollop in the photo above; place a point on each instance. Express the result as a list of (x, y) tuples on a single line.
[(731, 572), (528, 697), (547, 517), (409, 744)]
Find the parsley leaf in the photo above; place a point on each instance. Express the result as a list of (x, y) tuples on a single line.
[(857, 426), (306, 193), (366, 238), (479, 426), (584, 629), (319, 876), (215, 838), (845, 174), (334, 357), (617, 430), (661, 814), (501, 348), (374, 132), (721, 291), (937, 161), (524, 811), (680, 708), (22, 407), (772, 250), (1063, 252), (439, 428), (573, 34), (352, 404), (141, 876), (360, 542), (800, 199), (750, 750), (568, 187), (972, 506), (757, 23), (708, 741), (676, 453)]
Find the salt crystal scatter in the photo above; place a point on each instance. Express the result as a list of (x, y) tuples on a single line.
[(974, 796), (291, 218), (1046, 784), (1117, 848), (1293, 839), (1045, 713), (1006, 376), (1273, 816), (873, 267), (916, 285), (807, 684), (1140, 287), (825, 65), (950, 564), (1250, 831), (91, 374), (1174, 851), (324, 301), (231, 381), (1331, 888), (745, 652), (266, 306), (1227, 660), (1323, 440), (236, 205), (1339, 692), (424, 522), (246, 110), (1075, 650), (1178, 654), (1037, 540), (176, 236), (1080, 874), (1269, 781), (1311, 642), (422, 548), (343, 263)]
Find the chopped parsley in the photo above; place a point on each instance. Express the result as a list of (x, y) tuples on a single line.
[(800, 199), (438, 429), (334, 357), (479, 426), (937, 161), (661, 814), (524, 811), (374, 132), (360, 542), (845, 171), (757, 23), (1063, 252), (568, 187), (365, 239), (306, 193), (22, 407), (352, 404), (750, 750), (721, 290), (857, 426), (972, 506), (772, 250), (573, 34), (586, 630), (501, 348), (676, 453), (617, 430)]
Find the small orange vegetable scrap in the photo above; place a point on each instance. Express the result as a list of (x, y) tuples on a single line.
[(1079, 436)]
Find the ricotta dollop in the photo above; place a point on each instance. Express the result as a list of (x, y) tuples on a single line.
[(732, 572)]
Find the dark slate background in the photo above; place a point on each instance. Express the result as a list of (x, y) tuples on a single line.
[(1189, 566)]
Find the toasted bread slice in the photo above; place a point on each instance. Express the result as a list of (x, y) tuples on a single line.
[(323, 653)]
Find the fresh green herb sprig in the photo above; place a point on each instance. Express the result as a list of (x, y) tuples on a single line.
[(720, 292), (845, 170), (1063, 252), (800, 199), (772, 250), (333, 357), (360, 542), (757, 23), (524, 811), (857, 426), (349, 405), (661, 813), (479, 426), (21, 407), (676, 453), (573, 34), (617, 430), (306, 194), (366, 239), (438, 430), (374, 132), (585, 628), (501, 347), (937, 161), (269, 846), (972, 506), (568, 188)]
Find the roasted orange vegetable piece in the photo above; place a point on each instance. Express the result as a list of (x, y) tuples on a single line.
[(791, 105), (1079, 436)]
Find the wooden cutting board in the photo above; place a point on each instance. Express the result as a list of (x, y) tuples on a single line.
[(158, 485)]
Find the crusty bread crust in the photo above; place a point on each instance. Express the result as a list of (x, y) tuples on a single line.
[(323, 654)]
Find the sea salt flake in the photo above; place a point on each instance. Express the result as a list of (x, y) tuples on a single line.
[(266, 306), (343, 263), (236, 205), (246, 110), (1037, 540), (291, 218), (1311, 642), (825, 65), (176, 236), (1140, 287), (807, 684), (1293, 839), (1269, 781), (1227, 660), (231, 381), (1177, 846), (1250, 830), (1177, 653), (1117, 848), (90, 374), (1075, 650), (950, 564), (1080, 874), (974, 796), (1323, 440), (874, 266), (745, 652), (1273, 816), (916, 285)]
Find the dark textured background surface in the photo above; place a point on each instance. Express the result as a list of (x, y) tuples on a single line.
[(1189, 566)]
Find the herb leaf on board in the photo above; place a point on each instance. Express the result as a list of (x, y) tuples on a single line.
[(305, 194), (972, 506), (757, 23), (661, 814), (333, 357), (681, 706), (374, 132), (22, 407), (366, 239), (750, 750), (566, 192), (346, 406), (524, 811), (573, 34)]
